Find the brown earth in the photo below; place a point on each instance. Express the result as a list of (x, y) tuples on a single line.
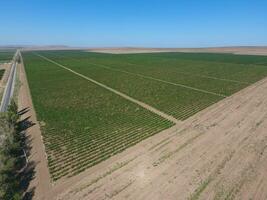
[(218, 153), (234, 50)]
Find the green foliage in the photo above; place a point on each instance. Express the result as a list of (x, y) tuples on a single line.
[(6, 56), (122, 72), (2, 71), (10, 152), (82, 123), (12, 113)]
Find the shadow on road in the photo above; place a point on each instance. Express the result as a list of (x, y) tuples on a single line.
[(23, 111), (27, 171)]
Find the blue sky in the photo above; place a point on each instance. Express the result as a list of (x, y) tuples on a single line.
[(139, 23)]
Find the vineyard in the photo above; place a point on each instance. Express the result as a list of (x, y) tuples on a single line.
[(83, 123), (175, 85)]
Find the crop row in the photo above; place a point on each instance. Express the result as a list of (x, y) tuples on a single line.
[(163, 96), (92, 145), (82, 123), (109, 149)]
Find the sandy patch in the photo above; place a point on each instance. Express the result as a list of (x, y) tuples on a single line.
[(233, 50)]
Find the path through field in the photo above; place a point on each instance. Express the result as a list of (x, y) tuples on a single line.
[(159, 80), (148, 107), (218, 153)]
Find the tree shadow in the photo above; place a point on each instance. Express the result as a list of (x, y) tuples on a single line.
[(27, 169), (23, 111), (26, 176), (24, 124)]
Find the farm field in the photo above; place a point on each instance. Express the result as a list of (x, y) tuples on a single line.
[(217, 154), (163, 83), (6, 55), (83, 124)]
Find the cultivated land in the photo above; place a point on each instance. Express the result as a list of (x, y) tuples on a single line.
[(89, 103), (177, 84), (82, 123), (219, 153), (6, 55)]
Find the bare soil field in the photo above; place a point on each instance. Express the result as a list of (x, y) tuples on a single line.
[(219, 153), (233, 50)]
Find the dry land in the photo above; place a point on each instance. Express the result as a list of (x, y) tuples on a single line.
[(233, 50), (202, 110)]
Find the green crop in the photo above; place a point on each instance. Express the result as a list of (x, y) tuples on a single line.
[(151, 78), (6, 55), (83, 124)]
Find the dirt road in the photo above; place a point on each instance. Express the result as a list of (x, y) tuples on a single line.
[(219, 153), (41, 184)]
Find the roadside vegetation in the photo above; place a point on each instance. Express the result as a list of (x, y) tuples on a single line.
[(12, 161), (2, 71)]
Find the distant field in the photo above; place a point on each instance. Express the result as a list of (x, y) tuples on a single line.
[(6, 55), (156, 79), (83, 123)]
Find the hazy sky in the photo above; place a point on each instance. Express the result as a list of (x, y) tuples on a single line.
[(147, 23)]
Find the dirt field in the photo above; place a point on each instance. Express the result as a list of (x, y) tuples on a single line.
[(218, 153), (234, 50)]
